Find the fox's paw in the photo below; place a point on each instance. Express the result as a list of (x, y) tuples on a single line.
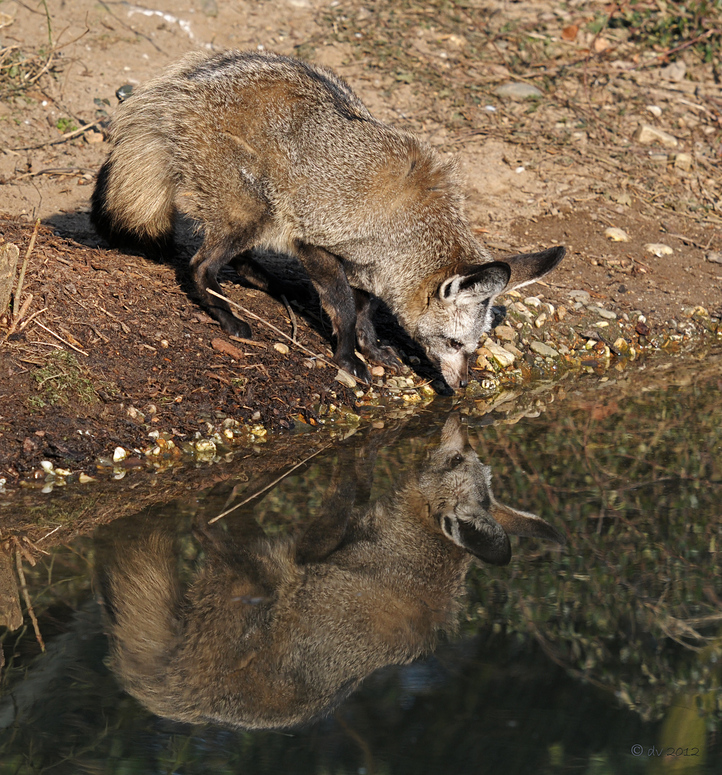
[(235, 327), (386, 356), (354, 366)]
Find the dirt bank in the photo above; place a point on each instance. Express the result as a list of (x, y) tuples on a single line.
[(112, 353)]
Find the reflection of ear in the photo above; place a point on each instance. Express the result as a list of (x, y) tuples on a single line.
[(482, 537), (479, 283), (521, 523)]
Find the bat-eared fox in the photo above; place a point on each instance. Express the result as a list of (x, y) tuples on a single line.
[(267, 152)]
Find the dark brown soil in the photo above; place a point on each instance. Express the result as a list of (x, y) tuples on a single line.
[(126, 326)]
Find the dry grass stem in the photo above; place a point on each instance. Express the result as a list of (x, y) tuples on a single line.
[(273, 328), (21, 279), (60, 338)]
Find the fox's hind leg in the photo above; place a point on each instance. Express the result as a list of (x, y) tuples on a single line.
[(227, 237), (329, 278), (205, 265), (366, 332)]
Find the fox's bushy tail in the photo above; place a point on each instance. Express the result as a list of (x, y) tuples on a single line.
[(134, 195)]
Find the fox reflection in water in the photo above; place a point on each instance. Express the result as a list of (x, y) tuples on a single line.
[(272, 632)]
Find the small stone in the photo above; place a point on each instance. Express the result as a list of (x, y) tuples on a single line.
[(658, 249), (541, 320), (482, 362), (607, 314), (205, 447), (345, 378), (506, 333), (91, 136), (675, 71), (622, 198), (648, 135), (561, 313), (616, 234), (655, 110), (209, 7), (582, 297), (533, 301), (715, 257), (119, 454), (515, 351), (378, 371), (544, 349), (47, 466), (683, 161), (279, 347), (85, 479), (503, 357), (518, 91), (135, 414), (602, 323)]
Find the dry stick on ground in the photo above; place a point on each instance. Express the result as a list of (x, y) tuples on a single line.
[(273, 328), (292, 316), (64, 138), (21, 278), (64, 341)]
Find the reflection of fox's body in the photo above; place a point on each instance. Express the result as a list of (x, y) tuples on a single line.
[(273, 632), (269, 152)]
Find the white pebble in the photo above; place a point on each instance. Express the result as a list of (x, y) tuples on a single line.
[(616, 235)]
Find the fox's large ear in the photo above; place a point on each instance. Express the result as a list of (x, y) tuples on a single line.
[(482, 537), (521, 523), (528, 267), (479, 283)]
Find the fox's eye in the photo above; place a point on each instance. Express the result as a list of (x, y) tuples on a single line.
[(455, 344), (456, 460)]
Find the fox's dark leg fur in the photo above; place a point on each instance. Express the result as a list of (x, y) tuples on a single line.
[(366, 332), (211, 257), (329, 279)]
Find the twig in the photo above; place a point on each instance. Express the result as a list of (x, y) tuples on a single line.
[(24, 323), (47, 535), (277, 330), (26, 597), (292, 316), (60, 338), (18, 291), (268, 486), (63, 138)]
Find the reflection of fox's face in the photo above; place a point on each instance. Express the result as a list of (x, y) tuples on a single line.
[(272, 632), (269, 152)]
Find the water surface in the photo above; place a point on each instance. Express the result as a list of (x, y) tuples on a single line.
[(599, 656)]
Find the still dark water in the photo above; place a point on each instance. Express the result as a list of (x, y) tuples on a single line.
[(402, 604)]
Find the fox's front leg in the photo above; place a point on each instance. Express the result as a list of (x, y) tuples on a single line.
[(368, 342), (329, 278)]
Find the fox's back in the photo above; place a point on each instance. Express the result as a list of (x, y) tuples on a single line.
[(293, 135)]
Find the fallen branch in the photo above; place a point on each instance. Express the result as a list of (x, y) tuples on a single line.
[(26, 597), (21, 279), (64, 341), (63, 138), (277, 330), (292, 316)]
